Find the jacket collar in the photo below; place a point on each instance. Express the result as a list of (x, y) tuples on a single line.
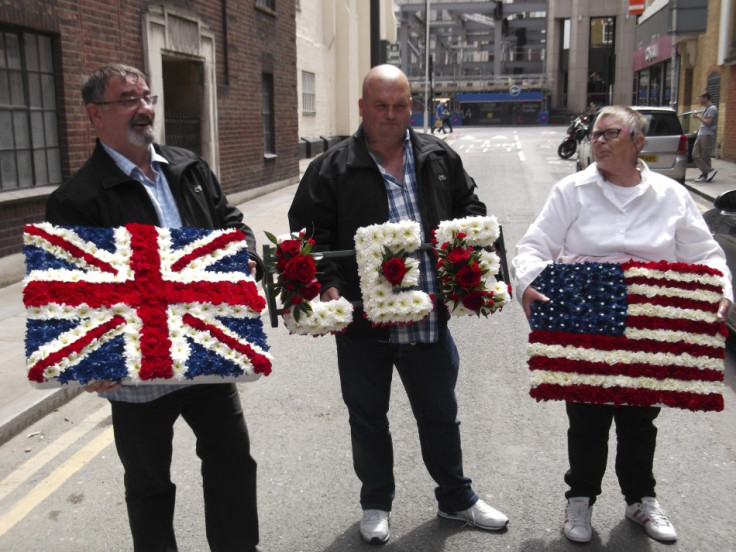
[(359, 156), (111, 175)]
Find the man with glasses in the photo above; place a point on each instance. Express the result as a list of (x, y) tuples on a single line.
[(129, 178)]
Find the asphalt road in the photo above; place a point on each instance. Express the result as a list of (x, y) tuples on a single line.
[(61, 482)]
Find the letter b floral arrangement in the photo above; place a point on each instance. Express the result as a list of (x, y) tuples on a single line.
[(466, 270), (298, 287)]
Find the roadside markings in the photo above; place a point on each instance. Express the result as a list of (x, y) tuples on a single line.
[(60, 475)]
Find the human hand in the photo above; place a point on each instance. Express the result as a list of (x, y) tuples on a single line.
[(330, 294), (723, 309), (102, 386), (529, 296)]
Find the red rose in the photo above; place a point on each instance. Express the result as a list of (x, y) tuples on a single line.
[(311, 291), (394, 270), (290, 247), (300, 268), (474, 300), (458, 255), (469, 276)]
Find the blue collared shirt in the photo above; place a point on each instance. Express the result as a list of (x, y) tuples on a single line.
[(168, 216), (403, 204)]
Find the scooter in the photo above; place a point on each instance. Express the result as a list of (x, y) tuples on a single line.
[(575, 133)]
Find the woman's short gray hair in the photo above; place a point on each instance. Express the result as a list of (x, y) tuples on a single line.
[(632, 120), (93, 88)]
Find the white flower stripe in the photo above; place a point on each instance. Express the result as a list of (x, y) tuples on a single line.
[(693, 294), (674, 275), (643, 309), (540, 377), (196, 269), (674, 336), (623, 357)]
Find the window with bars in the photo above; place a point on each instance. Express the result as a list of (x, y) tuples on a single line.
[(29, 139), (269, 4), (269, 124), (309, 97)]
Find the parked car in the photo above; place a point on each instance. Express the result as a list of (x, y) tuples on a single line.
[(722, 223), (665, 149), (690, 126)]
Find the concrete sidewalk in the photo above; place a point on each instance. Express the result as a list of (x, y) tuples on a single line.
[(21, 404)]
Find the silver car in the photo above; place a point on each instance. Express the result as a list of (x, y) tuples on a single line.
[(665, 148)]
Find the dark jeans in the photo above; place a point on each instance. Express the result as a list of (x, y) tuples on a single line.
[(143, 437), (587, 445), (428, 373)]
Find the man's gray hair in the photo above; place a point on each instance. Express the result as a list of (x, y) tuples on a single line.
[(93, 88), (632, 120)]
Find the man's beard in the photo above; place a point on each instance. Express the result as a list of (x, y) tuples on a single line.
[(139, 137)]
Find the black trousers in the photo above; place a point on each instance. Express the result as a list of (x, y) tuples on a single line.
[(587, 446), (143, 437)]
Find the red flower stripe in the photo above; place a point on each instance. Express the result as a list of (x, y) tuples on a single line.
[(632, 370), (219, 242), (35, 372), (678, 302), (71, 248), (691, 326), (628, 396), (620, 343), (664, 266), (261, 363)]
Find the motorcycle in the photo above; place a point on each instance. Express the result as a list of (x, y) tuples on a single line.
[(577, 130)]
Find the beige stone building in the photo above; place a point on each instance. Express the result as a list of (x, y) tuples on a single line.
[(333, 45)]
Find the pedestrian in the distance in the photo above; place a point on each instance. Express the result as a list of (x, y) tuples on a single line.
[(703, 147)]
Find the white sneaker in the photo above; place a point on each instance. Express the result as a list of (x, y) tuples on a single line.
[(577, 526), (479, 515), (374, 526), (649, 515), (711, 174)]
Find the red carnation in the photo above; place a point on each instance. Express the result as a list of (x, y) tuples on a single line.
[(290, 247), (311, 291), (474, 300), (300, 268), (394, 270), (458, 255), (469, 276)]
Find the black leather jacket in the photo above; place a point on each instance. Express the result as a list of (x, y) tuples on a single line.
[(343, 190), (100, 194)]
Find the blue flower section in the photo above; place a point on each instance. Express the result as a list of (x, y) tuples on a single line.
[(249, 329), (203, 362), (103, 238), (232, 263), (584, 298), (39, 259), (107, 362), (181, 237), (40, 332)]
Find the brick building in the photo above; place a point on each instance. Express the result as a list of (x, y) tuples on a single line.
[(224, 72)]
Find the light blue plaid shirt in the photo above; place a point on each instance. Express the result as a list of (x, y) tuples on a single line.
[(168, 216), (403, 204)]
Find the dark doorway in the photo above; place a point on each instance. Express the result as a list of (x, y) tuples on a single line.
[(183, 101)]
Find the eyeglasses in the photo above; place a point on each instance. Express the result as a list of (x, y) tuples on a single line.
[(131, 102), (608, 134)]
